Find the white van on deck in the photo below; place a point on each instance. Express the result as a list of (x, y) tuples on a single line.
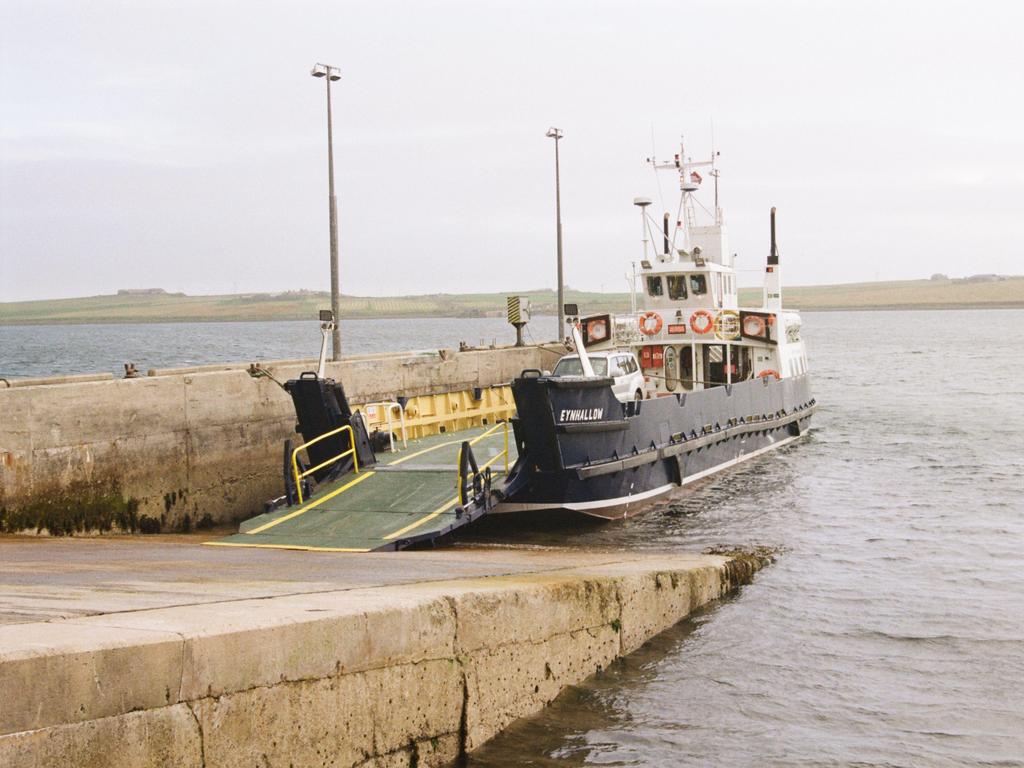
[(622, 367)]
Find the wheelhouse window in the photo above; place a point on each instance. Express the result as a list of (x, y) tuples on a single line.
[(654, 286), (676, 286), (698, 285)]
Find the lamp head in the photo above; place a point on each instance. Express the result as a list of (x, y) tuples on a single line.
[(325, 70)]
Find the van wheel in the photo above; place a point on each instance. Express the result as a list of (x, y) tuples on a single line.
[(638, 395)]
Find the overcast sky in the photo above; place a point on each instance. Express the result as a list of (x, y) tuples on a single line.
[(182, 145)]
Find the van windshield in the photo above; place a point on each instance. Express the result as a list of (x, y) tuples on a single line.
[(571, 366)]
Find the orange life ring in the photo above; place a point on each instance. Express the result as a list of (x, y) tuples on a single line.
[(769, 372), (707, 324), (753, 325), (645, 328), (597, 330)]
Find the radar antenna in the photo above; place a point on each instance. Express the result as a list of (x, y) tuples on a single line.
[(689, 182)]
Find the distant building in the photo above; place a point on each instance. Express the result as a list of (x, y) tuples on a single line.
[(141, 292)]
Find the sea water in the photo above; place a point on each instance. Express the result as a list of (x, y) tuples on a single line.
[(59, 350), (890, 631)]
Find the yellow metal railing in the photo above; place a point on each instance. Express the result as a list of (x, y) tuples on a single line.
[(350, 452), (460, 479)]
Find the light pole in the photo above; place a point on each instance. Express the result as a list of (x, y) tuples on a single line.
[(330, 74), (556, 134)]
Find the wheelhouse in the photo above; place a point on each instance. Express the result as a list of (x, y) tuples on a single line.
[(686, 326)]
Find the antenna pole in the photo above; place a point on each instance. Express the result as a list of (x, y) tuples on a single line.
[(714, 172), (631, 281), (556, 134), (643, 224)]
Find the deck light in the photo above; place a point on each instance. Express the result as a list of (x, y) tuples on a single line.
[(332, 74), (323, 70)]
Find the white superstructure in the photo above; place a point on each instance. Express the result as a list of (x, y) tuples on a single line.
[(689, 331)]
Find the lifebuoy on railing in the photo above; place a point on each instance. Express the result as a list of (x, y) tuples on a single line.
[(769, 372), (650, 323), (702, 321), (727, 324)]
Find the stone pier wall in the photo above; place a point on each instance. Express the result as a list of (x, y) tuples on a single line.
[(410, 675), (179, 448)]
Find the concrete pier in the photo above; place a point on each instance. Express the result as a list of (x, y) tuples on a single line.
[(188, 447), (159, 652)]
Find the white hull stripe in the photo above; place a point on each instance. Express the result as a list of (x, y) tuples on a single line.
[(585, 506)]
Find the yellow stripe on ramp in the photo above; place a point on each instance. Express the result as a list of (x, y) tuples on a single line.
[(299, 547), (474, 441), (422, 520), (362, 476)]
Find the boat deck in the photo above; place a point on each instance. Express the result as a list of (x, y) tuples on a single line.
[(409, 496)]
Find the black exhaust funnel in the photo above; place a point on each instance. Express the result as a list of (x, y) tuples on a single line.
[(773, 256)]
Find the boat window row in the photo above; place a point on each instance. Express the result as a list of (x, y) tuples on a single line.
[(678, 286), (716, 364)]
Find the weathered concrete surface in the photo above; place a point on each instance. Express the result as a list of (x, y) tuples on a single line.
[(42, 579), (71, 379), (155, 738), (369, 660), (178, 446)]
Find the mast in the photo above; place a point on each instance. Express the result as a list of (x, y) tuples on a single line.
[(689, 182)]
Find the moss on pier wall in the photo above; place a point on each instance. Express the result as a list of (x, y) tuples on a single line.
[(744, 562), (77, 508)]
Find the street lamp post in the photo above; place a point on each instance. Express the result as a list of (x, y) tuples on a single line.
[(556, 134), (330, 74)]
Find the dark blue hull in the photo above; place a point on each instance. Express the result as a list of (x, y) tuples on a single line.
[(582, 450)]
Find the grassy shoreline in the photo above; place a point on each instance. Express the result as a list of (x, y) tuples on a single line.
[(1007, 293)]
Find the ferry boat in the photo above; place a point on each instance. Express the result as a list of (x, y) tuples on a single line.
[(722, 383), (685, 385)]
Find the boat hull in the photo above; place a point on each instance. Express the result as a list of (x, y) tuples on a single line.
[(583, 451)]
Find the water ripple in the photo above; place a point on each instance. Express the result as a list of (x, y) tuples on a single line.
[(891, 631)]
